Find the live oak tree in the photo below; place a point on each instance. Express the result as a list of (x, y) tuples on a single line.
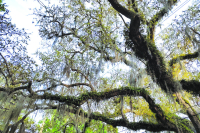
[(81, 39)]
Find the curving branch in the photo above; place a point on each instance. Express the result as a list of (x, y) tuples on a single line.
[(109, 119), (184, 57), (121, 122), (97, 96), (115, 4), (133, 125), (92, 95)]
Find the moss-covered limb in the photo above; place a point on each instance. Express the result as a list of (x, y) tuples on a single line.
[(184, 57), (156, 67), (106, 95), (69, 100), (192, 86), (132, 125), (93, 95), (184, 124), (147, 50)]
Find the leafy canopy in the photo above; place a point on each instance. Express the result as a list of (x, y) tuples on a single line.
[(102, 68)]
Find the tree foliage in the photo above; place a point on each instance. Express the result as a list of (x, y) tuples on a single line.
[(102, 68)]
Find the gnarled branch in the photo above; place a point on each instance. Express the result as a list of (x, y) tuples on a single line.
[(192, 86), (184, 57)]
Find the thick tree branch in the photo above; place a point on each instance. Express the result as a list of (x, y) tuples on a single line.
[(132, 125), (147, 50), (192, 86), (115, 4), (3, 89), (184, 57), (156, 68), (69, 100), (92, 95), (121, 122)]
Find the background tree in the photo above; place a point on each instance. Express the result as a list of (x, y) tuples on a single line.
[(81, 40)]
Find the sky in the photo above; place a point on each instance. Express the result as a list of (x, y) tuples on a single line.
[(22, 16)]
